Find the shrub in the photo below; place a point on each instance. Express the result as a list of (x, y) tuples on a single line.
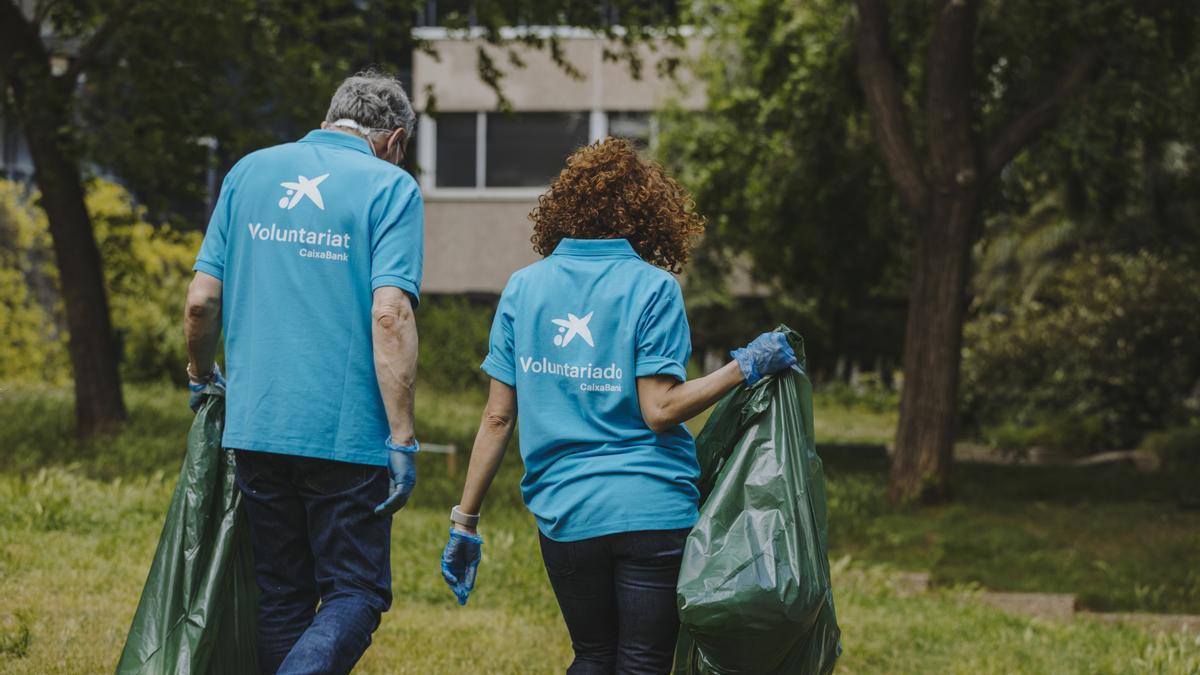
[(454, 340), (146, 270), (31, 345), (1108, 351), (1178, 449), (868, 393)]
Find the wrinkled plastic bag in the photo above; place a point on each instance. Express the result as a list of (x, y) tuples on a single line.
[(754, 593), (197, 611)]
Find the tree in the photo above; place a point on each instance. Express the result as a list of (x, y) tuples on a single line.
[(42, 102), (132, 87), (112, 86), (937, 100)]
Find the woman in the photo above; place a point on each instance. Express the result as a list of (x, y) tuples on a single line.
[(590, 346)]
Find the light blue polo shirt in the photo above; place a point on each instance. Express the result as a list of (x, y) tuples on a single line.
[(572, 334), (301, 236)]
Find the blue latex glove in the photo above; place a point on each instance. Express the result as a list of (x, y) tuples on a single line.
[(214, 385), (768, 354), (460, 562), (402, 467)]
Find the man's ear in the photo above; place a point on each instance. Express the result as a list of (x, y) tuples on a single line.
[(396, 140), (324, 125)]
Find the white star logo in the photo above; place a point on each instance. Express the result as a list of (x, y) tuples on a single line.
[(301, 189), (571, 326)]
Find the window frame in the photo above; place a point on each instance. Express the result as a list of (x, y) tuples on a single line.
[(427, 156)]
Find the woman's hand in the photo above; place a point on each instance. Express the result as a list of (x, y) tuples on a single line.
[(460, 561), (768, 354), (460, 558)]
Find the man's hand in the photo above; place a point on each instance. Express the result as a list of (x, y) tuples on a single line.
[(460, 561), (201, 330), (402, 467), (214, 383)]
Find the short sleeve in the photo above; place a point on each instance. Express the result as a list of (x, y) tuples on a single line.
[(211, 259), (500, 358), (398, 239), (664, 342)]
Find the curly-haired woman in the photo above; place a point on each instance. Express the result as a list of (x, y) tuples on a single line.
[(589, 348)]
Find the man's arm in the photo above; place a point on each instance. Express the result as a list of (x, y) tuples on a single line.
[(394, 336), (202, 323)]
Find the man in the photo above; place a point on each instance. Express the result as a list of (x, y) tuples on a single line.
[(312, 265)]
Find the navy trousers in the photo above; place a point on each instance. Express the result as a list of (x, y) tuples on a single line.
[(617, 596), (322, 558)]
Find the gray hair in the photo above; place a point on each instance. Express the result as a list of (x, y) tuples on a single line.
[(375, 100)]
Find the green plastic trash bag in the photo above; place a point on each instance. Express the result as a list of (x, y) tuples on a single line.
[(197, 611), (754, 593)]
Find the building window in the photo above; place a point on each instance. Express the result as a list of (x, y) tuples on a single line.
[(485, 150), (456, 146), (529, 149), (635, 126)]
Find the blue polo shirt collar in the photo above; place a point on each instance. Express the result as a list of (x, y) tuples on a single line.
[(595, 247), (339, 138)]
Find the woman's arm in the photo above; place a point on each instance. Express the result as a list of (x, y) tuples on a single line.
[(495, 430), (665, 401)]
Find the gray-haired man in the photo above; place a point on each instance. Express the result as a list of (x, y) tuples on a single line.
[(312, 265)]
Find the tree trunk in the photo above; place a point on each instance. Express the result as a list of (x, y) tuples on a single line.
[(99, 405), (944, 196), (43, 107), (925, 435), (44, 114)]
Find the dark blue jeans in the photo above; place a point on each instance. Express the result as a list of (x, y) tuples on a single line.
[(617, 595), (316, 541)]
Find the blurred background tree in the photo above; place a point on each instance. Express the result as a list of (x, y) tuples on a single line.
[(147, 90), (859, 153)]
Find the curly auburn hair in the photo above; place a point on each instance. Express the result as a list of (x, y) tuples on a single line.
[(608, 191)]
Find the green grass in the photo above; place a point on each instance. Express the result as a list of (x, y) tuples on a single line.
[(79, 522), (1115, 538), (838, 422), (75, 553)]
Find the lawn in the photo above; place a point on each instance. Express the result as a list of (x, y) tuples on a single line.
[(78, 526)]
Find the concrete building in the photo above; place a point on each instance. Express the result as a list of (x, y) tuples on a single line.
[(482, 170)]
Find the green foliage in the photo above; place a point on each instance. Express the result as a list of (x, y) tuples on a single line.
[(1107, 351), (147, 269), (14, 636), (783, 162), (31, 345), (1020, 251), (170, 77), (454, 340), (868, 395), (1178, 449)]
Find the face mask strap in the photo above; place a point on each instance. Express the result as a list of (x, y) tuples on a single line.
[(347, 123)]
